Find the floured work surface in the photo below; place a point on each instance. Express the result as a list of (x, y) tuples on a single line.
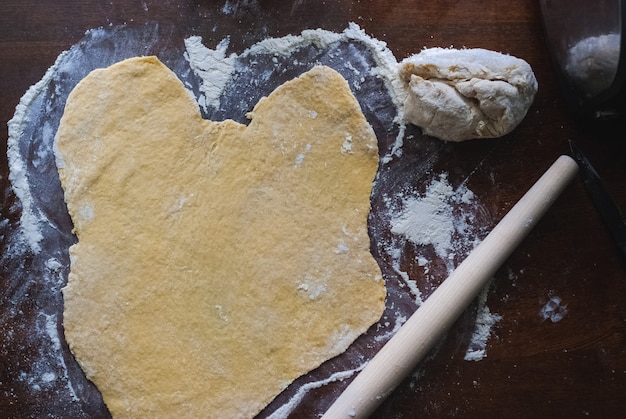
[(412, 182), (216, 262)]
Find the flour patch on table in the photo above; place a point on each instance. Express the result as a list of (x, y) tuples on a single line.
[(485, 320), (213, 66), (432, 219), (554, 309), (439, 221), (31, 219)]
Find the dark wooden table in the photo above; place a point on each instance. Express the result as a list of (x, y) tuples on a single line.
[(575, 367)]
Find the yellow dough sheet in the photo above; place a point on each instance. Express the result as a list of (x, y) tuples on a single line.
[(216, 262)]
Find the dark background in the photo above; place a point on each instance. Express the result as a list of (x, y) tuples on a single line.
[(575, 367)]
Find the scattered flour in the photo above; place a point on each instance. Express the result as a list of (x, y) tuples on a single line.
[(432, 219), (285, 410), (213, 66), (554, 310), (31, 217), (400, 320), (234, 7), (428, 219), (485, 320)]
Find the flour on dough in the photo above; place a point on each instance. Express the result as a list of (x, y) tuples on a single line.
[(216, 262), (462, 94)]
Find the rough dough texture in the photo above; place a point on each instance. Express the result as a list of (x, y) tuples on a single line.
[(458, 95), (216, 262)]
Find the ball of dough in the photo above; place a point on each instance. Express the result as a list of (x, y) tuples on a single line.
[(458, 95)]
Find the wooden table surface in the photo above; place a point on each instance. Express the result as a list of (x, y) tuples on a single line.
[(574, 367)]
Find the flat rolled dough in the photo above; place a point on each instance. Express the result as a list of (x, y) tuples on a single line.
[(216, 262)]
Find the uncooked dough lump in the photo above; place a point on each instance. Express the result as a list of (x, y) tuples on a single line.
[(463, 94), (216, 262)]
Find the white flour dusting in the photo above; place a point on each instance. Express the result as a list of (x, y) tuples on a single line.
[(213, 66), (31, 218), (234, 7), (554, 310), (386, 63), (285, 410), (430, 220), (485, 320)]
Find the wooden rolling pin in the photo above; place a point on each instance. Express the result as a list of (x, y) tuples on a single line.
[(426, 326)]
